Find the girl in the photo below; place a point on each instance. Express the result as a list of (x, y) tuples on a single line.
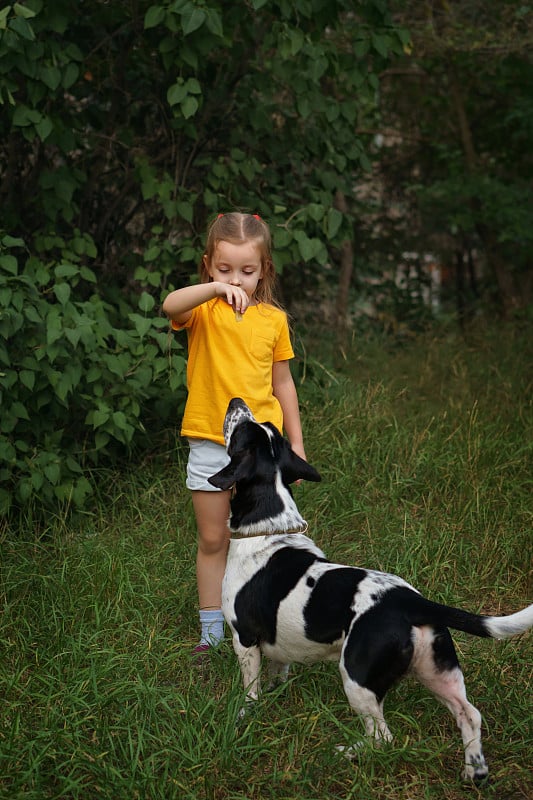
[(239, 346)]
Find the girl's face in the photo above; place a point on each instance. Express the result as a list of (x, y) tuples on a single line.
[(237, 264)]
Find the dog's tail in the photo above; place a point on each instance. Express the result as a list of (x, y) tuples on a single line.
[(429, 613)]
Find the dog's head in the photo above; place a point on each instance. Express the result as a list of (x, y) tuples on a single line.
[(258, 452)]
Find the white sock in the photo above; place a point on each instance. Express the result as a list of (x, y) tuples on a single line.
[(212, 622)]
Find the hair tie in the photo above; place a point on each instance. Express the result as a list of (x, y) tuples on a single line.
[(219, 215), (256, 216)]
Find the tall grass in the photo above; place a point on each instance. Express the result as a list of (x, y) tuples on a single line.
[(425, 454)]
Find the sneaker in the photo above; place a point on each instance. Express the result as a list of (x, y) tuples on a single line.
[(200, 649)]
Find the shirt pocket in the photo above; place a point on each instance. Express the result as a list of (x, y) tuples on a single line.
[(262, 346)]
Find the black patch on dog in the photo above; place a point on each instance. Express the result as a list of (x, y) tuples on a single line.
[(379, 647), (328, 614), (444, 653), (256, 604)]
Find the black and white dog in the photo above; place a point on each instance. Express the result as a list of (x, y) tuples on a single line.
[(282, 597)]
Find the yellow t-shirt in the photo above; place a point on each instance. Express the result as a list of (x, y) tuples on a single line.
[(230, 358)]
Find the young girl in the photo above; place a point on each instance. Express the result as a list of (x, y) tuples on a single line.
[(239, 346)]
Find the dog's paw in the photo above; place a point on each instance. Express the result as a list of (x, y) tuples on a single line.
[(476, 769), (477, 774), (352, 751), (247, 711)]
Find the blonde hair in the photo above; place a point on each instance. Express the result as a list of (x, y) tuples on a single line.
[(237, 228)]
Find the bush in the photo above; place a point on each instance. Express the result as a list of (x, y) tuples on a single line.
[(79, 375)]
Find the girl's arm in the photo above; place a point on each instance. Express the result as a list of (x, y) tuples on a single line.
[(179, 304), (285, 390)]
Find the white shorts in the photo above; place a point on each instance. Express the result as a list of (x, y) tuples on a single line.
[(206, 458)]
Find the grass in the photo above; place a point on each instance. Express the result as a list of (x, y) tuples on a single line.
[(425, 453)]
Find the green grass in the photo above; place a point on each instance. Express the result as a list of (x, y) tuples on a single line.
[(425, 453)]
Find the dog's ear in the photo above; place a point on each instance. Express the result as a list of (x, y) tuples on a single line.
[(297, 468), (239, 467)]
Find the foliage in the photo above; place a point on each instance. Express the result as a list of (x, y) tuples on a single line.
[(79, 379), (124, 128), (425, 461), (460, 169)]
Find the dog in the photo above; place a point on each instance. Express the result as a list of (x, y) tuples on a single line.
[(283, 598)]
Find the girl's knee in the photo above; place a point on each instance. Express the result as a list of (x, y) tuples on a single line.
[(213, 543)]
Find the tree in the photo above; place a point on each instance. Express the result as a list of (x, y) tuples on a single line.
[(460, 107), (125, 127)]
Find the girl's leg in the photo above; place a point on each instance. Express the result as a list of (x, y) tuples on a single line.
[(211, 510)]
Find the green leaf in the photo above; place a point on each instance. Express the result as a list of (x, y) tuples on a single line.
[(192, 18), (7, 451), (101, 440), (70, 75), (87, 275), (53, 472), (44, 128), (82, 490), (118, 364), (73, 335), (381, 44), (12, 241), (25, 490), (154, 16), (24, 116), (65, 270), (316, 211), (19, 410), (282, 238), (152, 253), (100, 416), (189, 106), (193, 86), (185, 210), (93, 374), (146, 302), (176, 93), (142, 324), (23, 11), (62, 292), (121, 421), (333, 222), (54, 328), (214, 23), (9, 264), (20, 26), (37, 479), (51, 76), (27, 378), (4, 12)]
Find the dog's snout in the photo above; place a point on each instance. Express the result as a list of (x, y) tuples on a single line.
[(237, 412), (236, 403)]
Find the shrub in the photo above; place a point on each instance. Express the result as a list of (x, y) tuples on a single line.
[(79, 375)]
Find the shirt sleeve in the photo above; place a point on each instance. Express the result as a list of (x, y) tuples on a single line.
[(283, 349), (181, 326)]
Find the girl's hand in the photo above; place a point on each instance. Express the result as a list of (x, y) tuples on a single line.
[(234, 296)]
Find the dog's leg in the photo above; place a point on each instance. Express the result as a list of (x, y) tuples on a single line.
[(375, 655), (250, 663), (437, 667), (367, 705), (277, 673)]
